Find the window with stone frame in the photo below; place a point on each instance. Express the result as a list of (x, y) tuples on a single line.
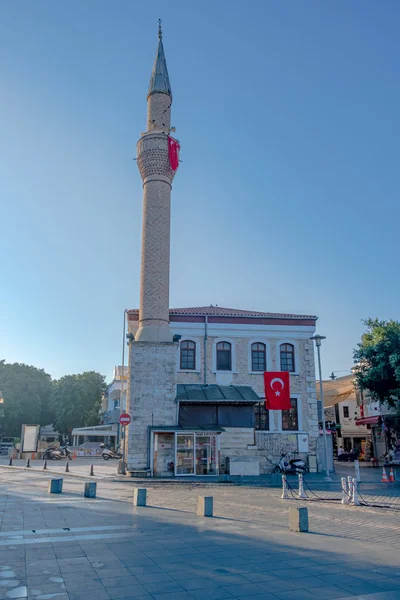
[(224, 356), (346, 412), (188, 355), (261, 417), (290, 417), (258, 357), (287, 358)]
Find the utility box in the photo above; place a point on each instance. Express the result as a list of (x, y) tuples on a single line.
[(312, 463)]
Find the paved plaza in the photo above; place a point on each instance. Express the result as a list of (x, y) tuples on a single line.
[(69, 547)]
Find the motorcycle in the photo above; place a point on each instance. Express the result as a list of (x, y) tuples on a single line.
[(291, 467), (57, 453), (107, 453)]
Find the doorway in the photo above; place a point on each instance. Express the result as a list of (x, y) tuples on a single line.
[(196, 454)]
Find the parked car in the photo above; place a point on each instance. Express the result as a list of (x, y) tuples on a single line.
[(7, 442)]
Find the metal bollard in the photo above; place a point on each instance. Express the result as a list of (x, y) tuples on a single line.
[(355, 501), (10, 463), (91, 470), (349, 489), (67, 467), (345, 497), (28, 463), (357, 470), (302, 493), (45, 465), (285, 495)]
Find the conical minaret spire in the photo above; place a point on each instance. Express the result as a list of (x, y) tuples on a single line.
[(157, 175), (159, 80)]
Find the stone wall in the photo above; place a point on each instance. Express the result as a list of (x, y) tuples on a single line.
[(151, 397), (302, 383)]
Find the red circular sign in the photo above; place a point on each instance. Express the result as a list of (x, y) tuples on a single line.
[(125, 419)]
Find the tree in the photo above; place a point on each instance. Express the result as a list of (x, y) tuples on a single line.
[(76, 400), (377, 361), (26, 393)]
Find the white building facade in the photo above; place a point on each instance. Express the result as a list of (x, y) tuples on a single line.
[(232, 348)]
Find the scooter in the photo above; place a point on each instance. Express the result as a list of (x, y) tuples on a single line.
[(292, 467), (107, 453), (57, 453)]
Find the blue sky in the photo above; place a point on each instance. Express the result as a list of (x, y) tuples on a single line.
[(287, 196)]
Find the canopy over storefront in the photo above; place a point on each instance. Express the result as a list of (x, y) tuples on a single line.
[(368, 420)]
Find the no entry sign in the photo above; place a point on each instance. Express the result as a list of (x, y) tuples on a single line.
[(125, 419)]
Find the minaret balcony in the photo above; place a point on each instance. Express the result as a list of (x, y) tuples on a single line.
[(152, 156)]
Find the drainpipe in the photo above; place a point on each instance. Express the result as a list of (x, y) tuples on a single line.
[(205, 349)]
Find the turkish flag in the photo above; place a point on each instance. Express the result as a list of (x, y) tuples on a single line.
[(277, 390), (173, 152)]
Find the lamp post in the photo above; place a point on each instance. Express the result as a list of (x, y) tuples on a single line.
[(318, 338)]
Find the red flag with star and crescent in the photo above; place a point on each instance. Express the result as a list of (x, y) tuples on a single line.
[(173, 152), (277, 390)]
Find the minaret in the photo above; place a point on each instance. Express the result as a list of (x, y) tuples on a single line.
[(153, 353), (157, 176)]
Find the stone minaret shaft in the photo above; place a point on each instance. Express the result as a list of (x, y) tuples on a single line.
[(157, 176)]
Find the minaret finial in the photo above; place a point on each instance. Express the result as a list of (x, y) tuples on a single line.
[(159, 29)]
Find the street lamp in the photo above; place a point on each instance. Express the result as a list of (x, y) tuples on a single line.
[(318, 339)]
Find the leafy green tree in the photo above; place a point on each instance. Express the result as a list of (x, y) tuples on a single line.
[(377, 361), (76, 400), (26, 393)]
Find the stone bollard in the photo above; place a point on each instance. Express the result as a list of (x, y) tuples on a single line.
[(90, 489), (298, 519), (355, 501), (285, 495), (302, 493), (67, 467), (345, 497), (139, 496), (349, 489), (45, 465), (205, 506), (28, 463), (10, 463), (91, 470), (55, 486), (357, 470)]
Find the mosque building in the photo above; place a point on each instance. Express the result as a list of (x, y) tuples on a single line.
[(195, 382)]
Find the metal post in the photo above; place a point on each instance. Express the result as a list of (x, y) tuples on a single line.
[(302, 493), (357, 470), (355, 501), (321, 394), (285, 495), (350, 488), (122, 463), (345, 497)]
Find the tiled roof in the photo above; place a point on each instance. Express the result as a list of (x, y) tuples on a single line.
[(219, 311)]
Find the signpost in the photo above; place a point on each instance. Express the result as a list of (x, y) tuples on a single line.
[(124, 420)]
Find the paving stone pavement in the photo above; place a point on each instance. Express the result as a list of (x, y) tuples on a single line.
[(68, 547)]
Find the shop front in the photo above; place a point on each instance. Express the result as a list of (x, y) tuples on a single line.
[(185, 453)]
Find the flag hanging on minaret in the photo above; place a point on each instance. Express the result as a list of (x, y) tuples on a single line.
[(277, 390), (173, 152)]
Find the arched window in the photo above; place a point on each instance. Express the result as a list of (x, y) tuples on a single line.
[(287, 358), (188, 355), (258, 357), (224, 356)]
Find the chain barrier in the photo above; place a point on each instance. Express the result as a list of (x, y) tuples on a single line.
[(350, 496)]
